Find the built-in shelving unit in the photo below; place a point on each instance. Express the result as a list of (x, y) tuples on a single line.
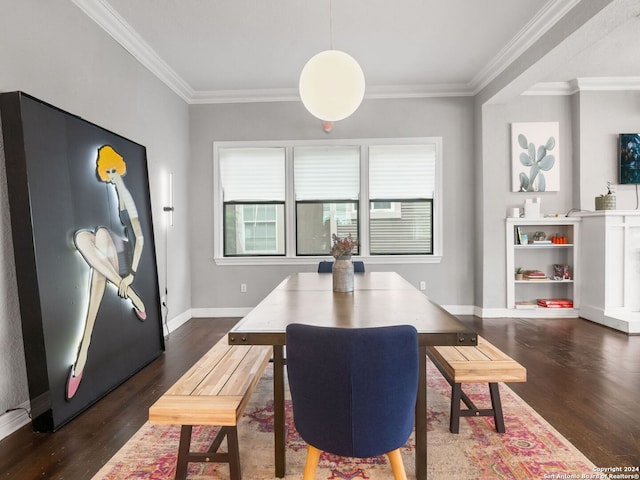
[(611, 267), (523, 295)]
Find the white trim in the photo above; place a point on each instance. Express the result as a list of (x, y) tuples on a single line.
[(599, 84), (220, 312), (111, 22), (178, 321), (526, 313), (14, 420), (122, 32), (586, 84), (460, 309), (241, 312), (490, 312), (312, 260), (540, 24), (553, 88)]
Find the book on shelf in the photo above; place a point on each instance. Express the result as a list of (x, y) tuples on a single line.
[(526, 305), (534, 275), (518, 236), (555, 303), (542, 242)]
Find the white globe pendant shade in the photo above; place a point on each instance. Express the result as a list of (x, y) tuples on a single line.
[(331, 85)]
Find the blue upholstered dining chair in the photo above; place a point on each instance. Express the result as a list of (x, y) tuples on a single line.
[(353, 390), (325, 266)]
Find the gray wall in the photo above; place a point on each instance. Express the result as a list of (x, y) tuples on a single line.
[(497, 197), (54, 52), (602, 116), (449, 283)]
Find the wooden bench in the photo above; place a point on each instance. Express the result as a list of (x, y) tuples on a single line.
[(483, 363), (214, 391)]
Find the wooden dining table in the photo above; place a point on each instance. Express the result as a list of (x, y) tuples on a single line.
[(379, 299)]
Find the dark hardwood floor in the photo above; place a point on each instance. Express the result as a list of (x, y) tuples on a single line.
[(583, 378)]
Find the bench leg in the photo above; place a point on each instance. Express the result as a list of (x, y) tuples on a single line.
[(232, 456), (183, 452), (234, 453), (497, 407), (454, 418)]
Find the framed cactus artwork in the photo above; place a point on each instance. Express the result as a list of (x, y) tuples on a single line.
[(535, 155)]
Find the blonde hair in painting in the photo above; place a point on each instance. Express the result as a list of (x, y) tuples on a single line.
[(108, 158)]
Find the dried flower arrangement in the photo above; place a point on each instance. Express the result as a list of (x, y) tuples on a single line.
[(342, 247)]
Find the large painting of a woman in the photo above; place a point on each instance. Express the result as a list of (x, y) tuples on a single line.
[(112, 256), (84, 251)]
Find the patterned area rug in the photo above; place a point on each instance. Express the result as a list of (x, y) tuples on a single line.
[(530, 448)]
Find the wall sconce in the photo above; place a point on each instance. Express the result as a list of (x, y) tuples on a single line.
[(170, 208)]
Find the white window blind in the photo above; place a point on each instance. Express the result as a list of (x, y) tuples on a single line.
[(402, 171), (326, 173), (252, 174)]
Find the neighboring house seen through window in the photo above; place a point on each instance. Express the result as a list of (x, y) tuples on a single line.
[(287, 199)]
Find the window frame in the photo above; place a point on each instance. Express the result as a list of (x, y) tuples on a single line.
[(247, 203), (290, 257)]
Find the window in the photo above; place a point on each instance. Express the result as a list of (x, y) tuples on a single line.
[(401, 188), (253, 194), (281, 202), (327, 186)]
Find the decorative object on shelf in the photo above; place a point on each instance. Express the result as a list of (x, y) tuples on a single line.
[(607, 201), (519, 273), (331, 83), (341, 250), (532, 208), (561, 272), (539, 236), (515, 212), (530, 161)]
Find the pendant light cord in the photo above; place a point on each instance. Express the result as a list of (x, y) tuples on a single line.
[(330, 25)]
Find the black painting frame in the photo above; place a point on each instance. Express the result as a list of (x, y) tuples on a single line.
[(55, 191)]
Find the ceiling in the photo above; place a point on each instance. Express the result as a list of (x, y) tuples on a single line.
[(253, 50)]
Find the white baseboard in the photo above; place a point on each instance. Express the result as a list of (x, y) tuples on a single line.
[(220, 312), (492, 312), (178, 321), (622, 320), (460, 309), (12, 421)]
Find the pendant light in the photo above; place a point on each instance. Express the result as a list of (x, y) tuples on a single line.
[(331, 83)]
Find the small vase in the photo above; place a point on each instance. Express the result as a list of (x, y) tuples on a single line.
[(343, 274)]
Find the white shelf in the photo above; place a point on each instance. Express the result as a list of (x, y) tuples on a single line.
[(542, 257), (531, 282), (545, 245)]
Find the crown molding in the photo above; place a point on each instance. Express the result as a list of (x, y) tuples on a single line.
[(419, 91), (585, 84), (245, 96), (111, 22), (546, 18), (123, 33), (608, 84), (553, 88)]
